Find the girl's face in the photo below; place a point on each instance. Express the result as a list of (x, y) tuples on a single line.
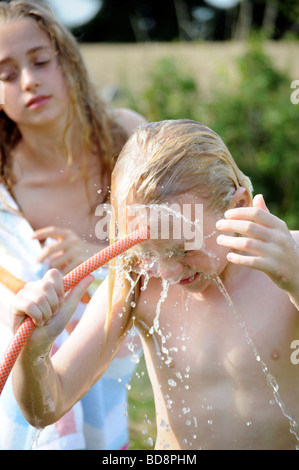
[(35, 92), (175, 259)]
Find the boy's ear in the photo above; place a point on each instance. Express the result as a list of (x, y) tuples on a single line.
[(241, 198)]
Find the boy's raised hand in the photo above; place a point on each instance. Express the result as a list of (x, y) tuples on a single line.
[(265, 241), (45, 302)]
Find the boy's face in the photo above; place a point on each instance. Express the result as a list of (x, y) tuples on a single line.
[(187, 254), (34, 87)]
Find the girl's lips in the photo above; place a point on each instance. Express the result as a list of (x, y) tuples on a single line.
[(189, 280), (38, 101)]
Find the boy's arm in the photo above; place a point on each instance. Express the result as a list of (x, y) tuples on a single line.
[(47, 387), (266, 243)]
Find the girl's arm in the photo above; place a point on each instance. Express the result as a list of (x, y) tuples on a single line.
[(68, 250), (47, 387)]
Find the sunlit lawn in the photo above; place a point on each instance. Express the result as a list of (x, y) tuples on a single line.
[(141, 410)]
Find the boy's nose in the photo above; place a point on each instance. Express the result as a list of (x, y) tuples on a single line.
[(171, 270)]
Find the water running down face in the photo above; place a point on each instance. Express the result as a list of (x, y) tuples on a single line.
[(182, 249)]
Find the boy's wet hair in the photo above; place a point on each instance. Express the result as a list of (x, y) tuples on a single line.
[(165, 159)]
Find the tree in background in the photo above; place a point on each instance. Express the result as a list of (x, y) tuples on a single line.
[(260, 126), (189, 20)]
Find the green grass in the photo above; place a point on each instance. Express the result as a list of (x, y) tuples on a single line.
[(141, 410)]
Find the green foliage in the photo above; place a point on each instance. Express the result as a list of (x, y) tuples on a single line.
[(256, 120), (259, 124), (141, 410), (170, 94)]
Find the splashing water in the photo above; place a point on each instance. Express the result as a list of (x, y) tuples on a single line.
[(34, 439), (156, 325), (131, 345)]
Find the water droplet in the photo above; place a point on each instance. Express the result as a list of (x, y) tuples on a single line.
[(172, 383), (135, 359), (169, 404)]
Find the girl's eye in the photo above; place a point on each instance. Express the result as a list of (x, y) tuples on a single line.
[(42, 63), (8, 77), (42, 58)]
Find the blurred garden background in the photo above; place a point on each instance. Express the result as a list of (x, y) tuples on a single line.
[(228, 63), (231, 64)]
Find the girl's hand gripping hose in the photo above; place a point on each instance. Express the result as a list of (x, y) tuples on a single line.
[(69, 281)]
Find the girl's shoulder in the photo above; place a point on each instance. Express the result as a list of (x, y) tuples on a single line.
[(128, 119), (295, 235)]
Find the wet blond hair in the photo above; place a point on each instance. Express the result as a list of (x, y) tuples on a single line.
[(168, 158), (99, 131)]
